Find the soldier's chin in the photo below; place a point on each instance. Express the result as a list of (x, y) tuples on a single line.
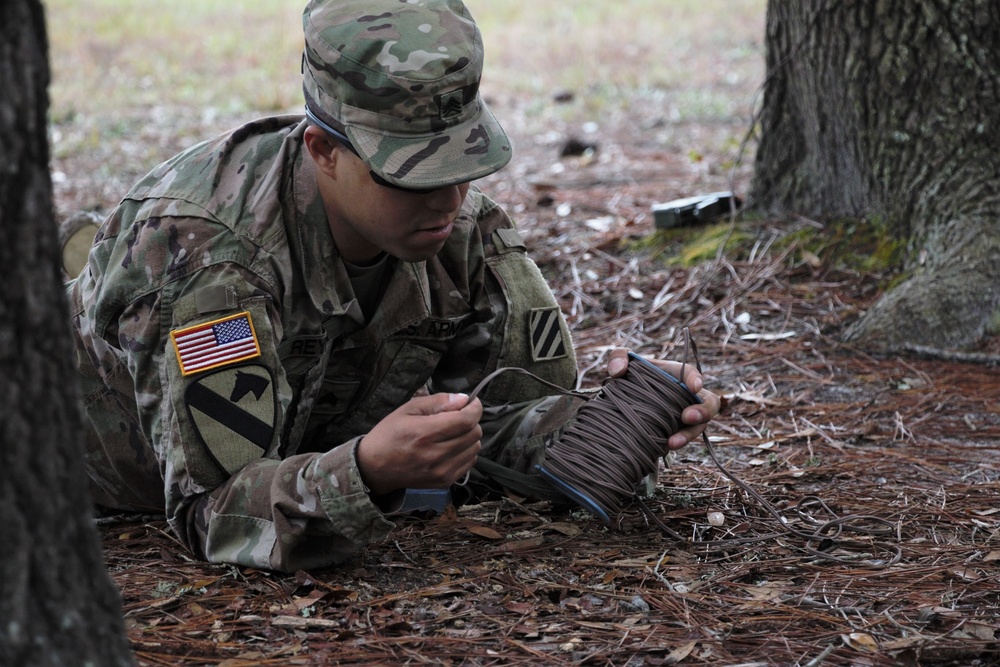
[(426, 243)]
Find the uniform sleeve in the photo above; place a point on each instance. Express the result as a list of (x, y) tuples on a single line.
[(213, 401)]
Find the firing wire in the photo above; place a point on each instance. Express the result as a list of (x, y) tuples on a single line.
[(632, 417), (624, 420)]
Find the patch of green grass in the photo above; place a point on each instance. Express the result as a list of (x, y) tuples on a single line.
[(701, 105), (110, 56), (688, 246), (534, 45), (865, 246), (862, 245), (710, 242)]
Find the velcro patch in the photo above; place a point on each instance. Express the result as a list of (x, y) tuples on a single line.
[(546, 335), (214, 298), (234, 412), (509, 239), (215, 344), (450, 105)]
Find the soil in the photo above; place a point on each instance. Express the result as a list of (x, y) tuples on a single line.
[(845, 513)]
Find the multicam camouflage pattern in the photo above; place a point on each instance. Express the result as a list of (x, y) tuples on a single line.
[(401, 80), (236, 225)]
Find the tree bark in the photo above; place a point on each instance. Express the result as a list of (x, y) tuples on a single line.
[(58, 605), (888, 109)]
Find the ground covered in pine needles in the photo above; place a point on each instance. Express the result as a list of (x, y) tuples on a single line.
[(847, 511)]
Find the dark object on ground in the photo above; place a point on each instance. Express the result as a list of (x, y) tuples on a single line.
[(575, 147), (695, 210)]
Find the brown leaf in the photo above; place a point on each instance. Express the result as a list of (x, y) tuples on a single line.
[(903, 642), (485, 531), (168, 557), (567, 529), (196, 609), (861, 641), (593, 625), (680, 653), (967, 574), (517, 545), (449, 515), (301, 603), (203, 583), (523, 608), (764, 592), (975, 631)]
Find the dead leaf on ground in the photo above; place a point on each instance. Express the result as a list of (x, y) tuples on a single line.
[(567, 529), (485, 531), (861, 641), (519, 545), (680, 653)]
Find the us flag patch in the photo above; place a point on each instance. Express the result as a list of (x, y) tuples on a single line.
[(546, 334), (216, 343)]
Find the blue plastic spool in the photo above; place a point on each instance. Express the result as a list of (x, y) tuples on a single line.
[(579, 496), (433, 501)]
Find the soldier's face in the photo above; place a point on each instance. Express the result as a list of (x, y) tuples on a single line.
[(367, 218)]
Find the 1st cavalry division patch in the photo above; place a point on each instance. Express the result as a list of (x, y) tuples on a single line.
[(234, 411), (214, 344)]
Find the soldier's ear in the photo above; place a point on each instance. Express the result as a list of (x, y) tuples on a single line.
[(324, 150)]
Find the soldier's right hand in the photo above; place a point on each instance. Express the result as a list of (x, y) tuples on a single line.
[(428, 442)]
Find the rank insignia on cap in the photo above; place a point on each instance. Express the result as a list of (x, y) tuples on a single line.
[(546, 334), (216, 343), (450, 104)]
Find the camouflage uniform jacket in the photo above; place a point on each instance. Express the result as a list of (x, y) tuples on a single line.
[(251, 452)]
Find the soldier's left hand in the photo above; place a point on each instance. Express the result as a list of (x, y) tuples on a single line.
[(696, 416)]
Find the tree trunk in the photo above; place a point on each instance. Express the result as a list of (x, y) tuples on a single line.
[(888, 109), (58, 606)]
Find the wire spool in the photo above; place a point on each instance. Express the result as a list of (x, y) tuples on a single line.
[(618, 438)]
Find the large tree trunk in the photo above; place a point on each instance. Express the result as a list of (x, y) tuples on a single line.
[(890, 109), (58, 606)]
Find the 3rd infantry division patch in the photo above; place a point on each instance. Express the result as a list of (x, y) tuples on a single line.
[(546, 335)]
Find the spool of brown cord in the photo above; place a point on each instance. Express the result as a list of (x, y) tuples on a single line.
[(617, 438)]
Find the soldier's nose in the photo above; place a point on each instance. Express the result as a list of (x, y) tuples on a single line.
[(446, 200)]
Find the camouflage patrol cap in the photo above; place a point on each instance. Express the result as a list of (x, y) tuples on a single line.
[(401, 78)]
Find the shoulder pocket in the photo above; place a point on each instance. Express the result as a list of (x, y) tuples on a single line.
[(208, 401), (535, 334)]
